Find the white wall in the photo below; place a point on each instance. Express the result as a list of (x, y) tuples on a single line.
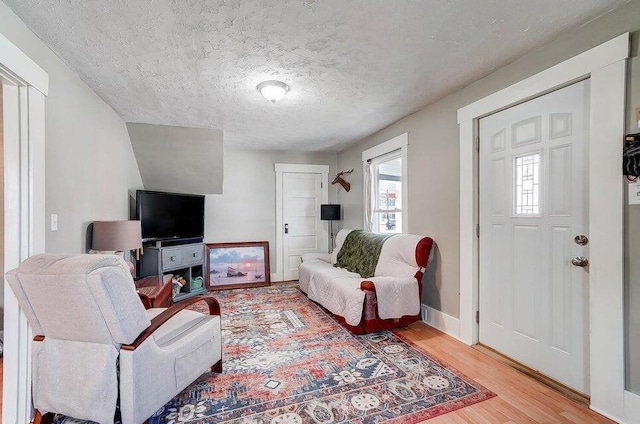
[(246, 211), (90, 164), (434, 152)]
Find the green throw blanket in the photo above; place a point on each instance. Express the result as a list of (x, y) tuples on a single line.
[(360, 252)]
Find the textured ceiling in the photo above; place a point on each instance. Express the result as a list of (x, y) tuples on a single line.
[(354, 66)]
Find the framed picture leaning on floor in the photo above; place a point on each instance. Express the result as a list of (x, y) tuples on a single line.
[(237, 265)]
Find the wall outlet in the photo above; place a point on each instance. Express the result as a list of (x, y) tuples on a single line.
[(54, 222)]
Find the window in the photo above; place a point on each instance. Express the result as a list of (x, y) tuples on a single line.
[(385, 186)]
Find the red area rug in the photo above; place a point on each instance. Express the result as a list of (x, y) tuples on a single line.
[(286, 361)]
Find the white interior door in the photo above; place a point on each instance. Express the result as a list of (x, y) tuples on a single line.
[(533, 203), (303, 232)]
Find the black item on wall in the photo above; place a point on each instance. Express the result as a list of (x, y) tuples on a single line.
[(165, 216), (631, 156), (330, 212)]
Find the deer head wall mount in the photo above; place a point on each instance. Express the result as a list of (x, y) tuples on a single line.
[(339, 180)]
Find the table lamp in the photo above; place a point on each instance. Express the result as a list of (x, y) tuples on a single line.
[(117, 236)]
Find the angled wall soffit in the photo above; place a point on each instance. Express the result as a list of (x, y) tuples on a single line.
[(178, 159)]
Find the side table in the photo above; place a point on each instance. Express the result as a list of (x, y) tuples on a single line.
[(155, 291)]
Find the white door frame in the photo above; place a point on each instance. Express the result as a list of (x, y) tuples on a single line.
[(25, 86), (281, 168), (605, 65)]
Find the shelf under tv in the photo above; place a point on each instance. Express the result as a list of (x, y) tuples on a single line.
[(194, 292)]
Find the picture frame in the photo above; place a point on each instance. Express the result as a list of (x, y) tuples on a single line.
[(237, 265)]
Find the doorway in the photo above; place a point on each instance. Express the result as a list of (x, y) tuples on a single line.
[(1, 248), (1, 229), (24, 87), (533, 203), (605, 66), (300, 190)]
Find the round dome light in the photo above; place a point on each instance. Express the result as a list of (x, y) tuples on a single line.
[(273, 90)]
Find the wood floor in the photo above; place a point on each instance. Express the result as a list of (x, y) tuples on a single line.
[(520, 399)]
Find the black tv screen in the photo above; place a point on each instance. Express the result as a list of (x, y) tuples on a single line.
[(169, 215)]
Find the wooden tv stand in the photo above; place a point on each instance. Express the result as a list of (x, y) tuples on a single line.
[(181, 260)]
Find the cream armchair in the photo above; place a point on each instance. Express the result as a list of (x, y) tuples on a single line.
[(95, 343)]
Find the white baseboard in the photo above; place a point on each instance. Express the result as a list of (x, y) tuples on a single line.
[(631, 408), (607, 415), (441, 321)]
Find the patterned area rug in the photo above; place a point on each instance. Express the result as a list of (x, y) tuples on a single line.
[(286, 361)]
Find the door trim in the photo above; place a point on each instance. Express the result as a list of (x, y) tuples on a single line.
[(24, 91), (605, 65), (21, 66), (281, 168)]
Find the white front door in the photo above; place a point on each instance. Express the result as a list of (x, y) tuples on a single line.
[(533, 204), (303, 232)]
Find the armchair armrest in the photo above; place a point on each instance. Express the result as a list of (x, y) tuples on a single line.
[(164, 316)]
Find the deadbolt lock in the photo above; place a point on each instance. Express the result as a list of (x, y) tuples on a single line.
[(581, 240)]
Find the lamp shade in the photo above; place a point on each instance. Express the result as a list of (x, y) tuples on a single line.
[(330, 212), (116, 235)]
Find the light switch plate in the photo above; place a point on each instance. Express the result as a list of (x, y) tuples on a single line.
[(54, 222), (634, 193)]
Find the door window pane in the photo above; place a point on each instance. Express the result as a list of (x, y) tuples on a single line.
[(527, 177)]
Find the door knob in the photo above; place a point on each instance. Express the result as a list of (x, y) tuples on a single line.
[(286, 228), (580, 261)]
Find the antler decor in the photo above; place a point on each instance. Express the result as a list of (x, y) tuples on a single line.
[(339, 180)]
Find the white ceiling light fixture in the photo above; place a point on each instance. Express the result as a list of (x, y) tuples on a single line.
[(273, 90)]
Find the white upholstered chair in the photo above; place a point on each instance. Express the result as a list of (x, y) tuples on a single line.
[(95, 343)]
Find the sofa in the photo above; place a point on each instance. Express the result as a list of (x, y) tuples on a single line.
[(371, 282)]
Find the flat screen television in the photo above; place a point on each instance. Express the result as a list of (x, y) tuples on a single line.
[(166, 216)]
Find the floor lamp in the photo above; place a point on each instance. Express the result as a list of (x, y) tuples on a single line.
[(330, 213)]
